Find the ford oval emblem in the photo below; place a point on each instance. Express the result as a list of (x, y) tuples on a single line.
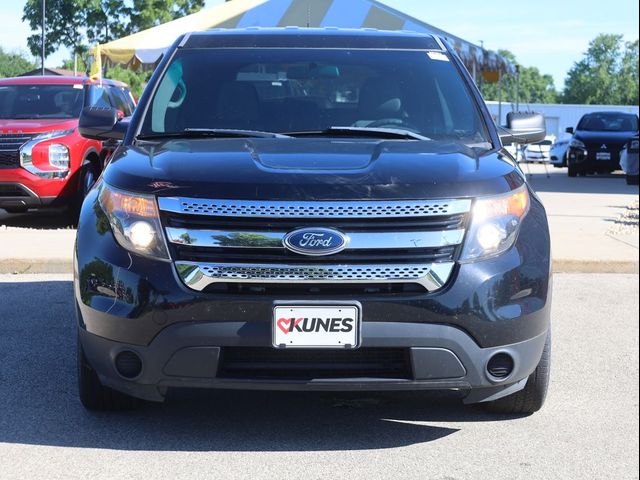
[(316, 241)]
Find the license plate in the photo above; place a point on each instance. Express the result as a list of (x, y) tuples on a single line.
[(316, 326), (603, 156)]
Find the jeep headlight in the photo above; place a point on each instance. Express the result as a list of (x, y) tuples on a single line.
[(59, 156), (495, 224), (135, 221)]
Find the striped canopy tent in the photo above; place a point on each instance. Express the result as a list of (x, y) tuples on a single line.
[(147, 46)]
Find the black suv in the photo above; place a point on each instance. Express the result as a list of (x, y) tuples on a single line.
[(312, 210), (598, 141)]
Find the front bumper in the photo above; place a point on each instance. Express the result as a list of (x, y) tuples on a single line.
[(190, 355), (21, 189), (16, 195), (587, 160), (127, 302)]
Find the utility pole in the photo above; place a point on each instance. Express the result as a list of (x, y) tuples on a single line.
[(43, 34), (499, 122), (517, 88)]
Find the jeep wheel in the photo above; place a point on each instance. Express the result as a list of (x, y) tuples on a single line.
[(87, 176), (573, 171), (532, 397), (94, 395)]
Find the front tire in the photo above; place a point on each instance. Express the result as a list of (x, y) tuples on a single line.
[(95, 396), (573, 171), (88, 175), (532, 397)]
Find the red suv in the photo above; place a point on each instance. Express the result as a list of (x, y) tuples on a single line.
[(43, 159)]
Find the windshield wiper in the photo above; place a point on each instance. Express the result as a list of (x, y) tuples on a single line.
[(210, 132), (384, 133)]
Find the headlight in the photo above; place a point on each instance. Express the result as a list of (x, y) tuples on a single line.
[(495, 224), (59, 156), (36, 157), (577, 144), (135, 221)]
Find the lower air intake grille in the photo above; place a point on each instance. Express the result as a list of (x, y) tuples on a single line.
[(9, 160), (274, 364)]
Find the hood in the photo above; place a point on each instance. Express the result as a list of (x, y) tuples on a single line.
[(36, 125), (597, 139), (310, 169)]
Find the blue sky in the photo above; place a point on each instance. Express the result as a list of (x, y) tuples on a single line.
[(549, 34)]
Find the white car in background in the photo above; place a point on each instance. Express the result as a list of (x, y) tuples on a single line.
[(539, 152), (558, 154)]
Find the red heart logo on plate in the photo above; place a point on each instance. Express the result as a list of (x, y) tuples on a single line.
[(284, 324)]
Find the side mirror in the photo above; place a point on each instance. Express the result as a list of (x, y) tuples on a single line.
[(102, 124), (570, 130), (523, 128)]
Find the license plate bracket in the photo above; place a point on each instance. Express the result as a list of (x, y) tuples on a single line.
[(323, 325)]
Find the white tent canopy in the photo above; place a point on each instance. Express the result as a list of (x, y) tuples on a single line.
[(148, 46)]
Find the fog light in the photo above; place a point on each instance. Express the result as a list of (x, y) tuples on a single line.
[(128, 364), (142, 235), (500, 366)]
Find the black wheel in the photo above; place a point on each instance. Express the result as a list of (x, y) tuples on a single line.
[(573, 171), (532, 397), (94, 395), (87, 177)]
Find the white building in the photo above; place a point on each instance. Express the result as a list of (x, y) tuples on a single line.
[(558, 116)]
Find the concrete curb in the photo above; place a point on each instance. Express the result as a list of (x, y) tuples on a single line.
[(65, 265), (40, 265), (595, 266)]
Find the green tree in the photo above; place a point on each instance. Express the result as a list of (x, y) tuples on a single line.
[(534, 86), (75, 23), (150, 13), (14, 63), (70, 64), (628, 83), (607, 74), (107, 20), (67, 19), (136, 80)]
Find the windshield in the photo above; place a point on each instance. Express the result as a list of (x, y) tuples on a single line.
[(609, 122), (41, 101), (312, 90)]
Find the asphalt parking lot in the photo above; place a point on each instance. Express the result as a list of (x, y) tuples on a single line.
[(588, 429)]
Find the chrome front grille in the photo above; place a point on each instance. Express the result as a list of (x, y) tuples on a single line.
[(327, 210), (218, 242), (200, 275), (10, 144)]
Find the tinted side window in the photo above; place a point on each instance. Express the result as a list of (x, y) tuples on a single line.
[(99, 97)]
